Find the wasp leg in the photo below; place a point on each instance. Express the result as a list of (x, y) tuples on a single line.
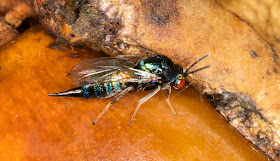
[(142, 101), (168, 100), (113, 100)]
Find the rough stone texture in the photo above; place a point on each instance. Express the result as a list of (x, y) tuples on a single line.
[(12, 14), (18, 14), (243, 81), (15, 11), (263, 16), (7, 33)]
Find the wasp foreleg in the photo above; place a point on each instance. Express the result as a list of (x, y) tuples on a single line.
[(168, 100), (113, 100), (142, 101)]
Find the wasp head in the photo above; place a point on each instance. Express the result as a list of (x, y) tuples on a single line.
[(181, 76), (180, 81)]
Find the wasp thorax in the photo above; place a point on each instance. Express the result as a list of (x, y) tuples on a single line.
[(162, 66)]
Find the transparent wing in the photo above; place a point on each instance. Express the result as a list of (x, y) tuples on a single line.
[(111, 69)]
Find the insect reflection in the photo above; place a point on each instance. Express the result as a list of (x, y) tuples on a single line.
[(116, 76)]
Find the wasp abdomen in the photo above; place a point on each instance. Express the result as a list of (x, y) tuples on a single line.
[(103, 90)]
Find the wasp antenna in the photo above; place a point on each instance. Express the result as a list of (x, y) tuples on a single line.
[(197, 70), (187, 70)]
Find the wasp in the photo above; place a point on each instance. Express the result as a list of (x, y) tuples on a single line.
[(113, 77)]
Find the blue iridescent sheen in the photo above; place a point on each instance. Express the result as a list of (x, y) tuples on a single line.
[(85, 91), (97, 91), (118, 86), (109, 88)]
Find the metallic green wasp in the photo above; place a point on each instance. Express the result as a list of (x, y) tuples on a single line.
[(116, 76)]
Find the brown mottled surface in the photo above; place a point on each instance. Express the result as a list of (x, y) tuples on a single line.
[(35, 126), (15, 11), (7, 33), (12, 14), (18, 14), (262, 15), (243, 81)]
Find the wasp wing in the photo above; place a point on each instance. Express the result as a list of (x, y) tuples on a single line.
[(111, 69)]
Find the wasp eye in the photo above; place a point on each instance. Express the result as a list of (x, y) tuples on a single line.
[(180, 83)]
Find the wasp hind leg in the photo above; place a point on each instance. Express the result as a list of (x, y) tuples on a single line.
[(143, 100), (113, 100)]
